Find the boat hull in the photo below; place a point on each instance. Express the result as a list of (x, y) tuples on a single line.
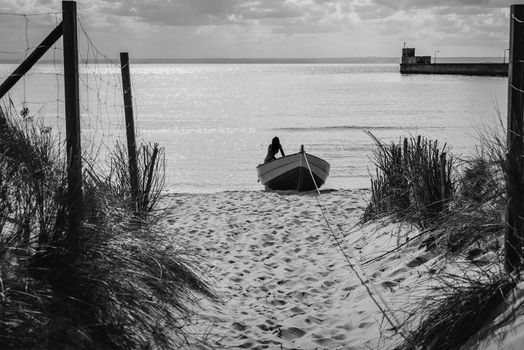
[(292, 172)]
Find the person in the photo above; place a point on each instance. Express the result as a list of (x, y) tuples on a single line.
[(273, 149)]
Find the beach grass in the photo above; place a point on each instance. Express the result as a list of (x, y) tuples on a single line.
[(151, 176), (413, 181), (458, 310), (127, 285), (474, 222), (467, 224)]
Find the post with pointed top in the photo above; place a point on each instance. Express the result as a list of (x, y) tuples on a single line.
[(130, 129), (72, 114), (514, 237)]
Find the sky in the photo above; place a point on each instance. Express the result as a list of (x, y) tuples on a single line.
[(267, 28)]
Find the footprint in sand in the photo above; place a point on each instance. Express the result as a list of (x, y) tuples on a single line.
[(340, 336), (239, 326), (277, 302), (324, 341), (247, 345), (291, 333), (346, 326), (327, 284), (349, 288), (297, 310), (365, 324), (323, 273), (315, 291), (271, 328), (313, 319), (312, 238)]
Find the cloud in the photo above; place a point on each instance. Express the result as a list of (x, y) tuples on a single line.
[(370, 12), (202, 12), (253, 27), (268, 9), (228, 12), (172, 12), (455, 24), (404, 5)]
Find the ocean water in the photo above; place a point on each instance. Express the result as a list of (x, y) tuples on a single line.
[(215, 121)]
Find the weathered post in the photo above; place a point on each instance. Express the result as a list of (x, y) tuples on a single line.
[(130, 128), (30, 61), (514, 237), (72, 115)]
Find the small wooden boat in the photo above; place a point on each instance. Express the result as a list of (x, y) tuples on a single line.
[(292, 172)]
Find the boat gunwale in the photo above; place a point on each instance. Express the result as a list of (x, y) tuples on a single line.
[(292, 155)]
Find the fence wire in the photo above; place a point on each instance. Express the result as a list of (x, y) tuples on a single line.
[(41, 91)]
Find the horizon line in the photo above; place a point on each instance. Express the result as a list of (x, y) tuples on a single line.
[(342, 59)]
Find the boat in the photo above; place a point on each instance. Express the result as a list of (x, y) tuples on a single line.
[(293, 173)]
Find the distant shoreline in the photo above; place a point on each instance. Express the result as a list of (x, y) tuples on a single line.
[(326, 60)]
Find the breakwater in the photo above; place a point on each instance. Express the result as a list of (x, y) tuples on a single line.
[(412, 64), (488, 69)]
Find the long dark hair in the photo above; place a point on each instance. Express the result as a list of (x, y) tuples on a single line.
[(275, 144)]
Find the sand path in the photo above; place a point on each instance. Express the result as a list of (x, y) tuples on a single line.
[(284, 282)]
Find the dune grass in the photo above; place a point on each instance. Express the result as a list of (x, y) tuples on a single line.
[(151, 176), (474, 223), (475, 219), (460, 212), (413, 181), (459, 309), (128, 286)]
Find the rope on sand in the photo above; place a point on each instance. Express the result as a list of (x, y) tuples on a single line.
[(377, 298)]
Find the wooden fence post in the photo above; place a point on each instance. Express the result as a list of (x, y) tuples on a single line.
[(514, 236), (30, 61), (130, 128), (72, 114)]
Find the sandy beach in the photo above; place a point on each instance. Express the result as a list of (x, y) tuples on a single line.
[(284, 281)]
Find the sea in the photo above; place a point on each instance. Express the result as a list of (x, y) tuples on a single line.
[(216, 120)]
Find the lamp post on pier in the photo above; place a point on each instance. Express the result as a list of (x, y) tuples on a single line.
[(504, 59), (435, 60)]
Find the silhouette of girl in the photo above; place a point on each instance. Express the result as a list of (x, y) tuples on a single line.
[(273, 149)]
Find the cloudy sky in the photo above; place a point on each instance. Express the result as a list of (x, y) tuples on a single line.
[(270, 28)]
